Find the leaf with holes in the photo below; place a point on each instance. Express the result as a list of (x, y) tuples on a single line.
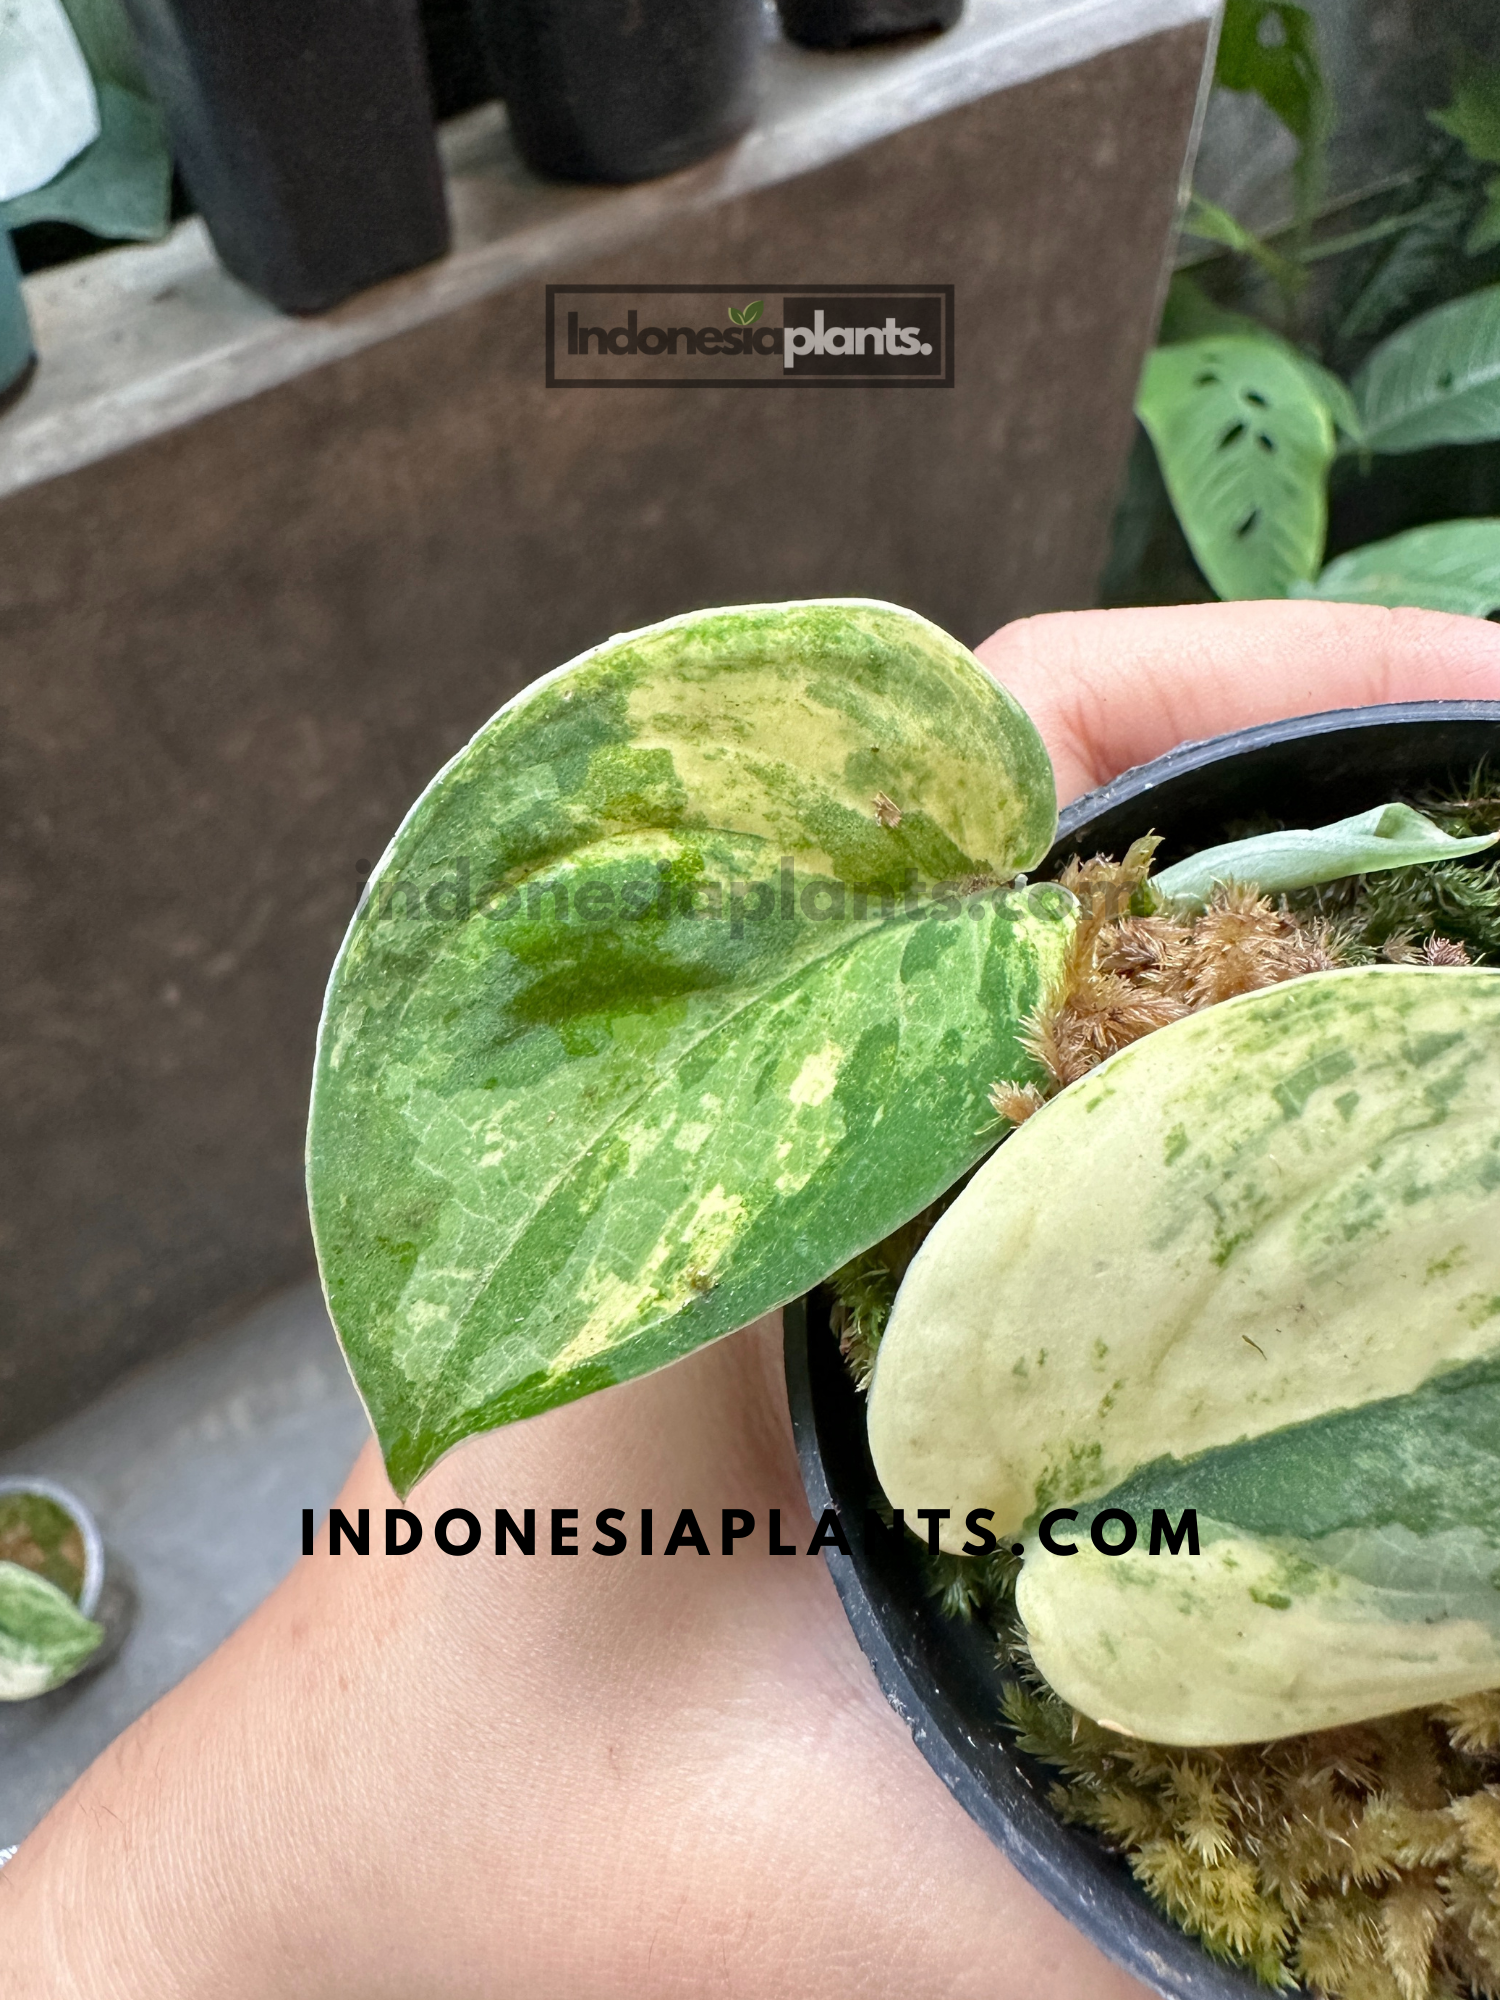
[(646, 1026), (1189, 314), (1436, 380), (1450, 566), (1245, 440)]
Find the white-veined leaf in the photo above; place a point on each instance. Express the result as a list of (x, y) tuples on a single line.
[(47, 108), (121, 185)]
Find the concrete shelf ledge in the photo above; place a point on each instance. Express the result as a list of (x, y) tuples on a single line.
[(260, 577), (136, 341)]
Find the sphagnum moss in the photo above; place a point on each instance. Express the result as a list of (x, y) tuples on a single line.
[(1363, 1862)]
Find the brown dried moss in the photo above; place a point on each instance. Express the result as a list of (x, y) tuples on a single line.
[(1129, 971)]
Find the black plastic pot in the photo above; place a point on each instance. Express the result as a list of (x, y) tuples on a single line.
[(304, 134), (846, 24), (939, 1675), (622, 90)]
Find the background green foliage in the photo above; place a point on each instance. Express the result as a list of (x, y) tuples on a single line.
[(1322, 414)]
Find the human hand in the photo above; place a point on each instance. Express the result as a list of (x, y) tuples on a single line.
[(434, 1779)]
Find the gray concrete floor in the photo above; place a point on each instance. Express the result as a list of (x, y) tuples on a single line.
[(197, 1468)]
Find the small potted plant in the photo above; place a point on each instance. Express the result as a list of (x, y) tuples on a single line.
[(51, 1578), (710, 972)]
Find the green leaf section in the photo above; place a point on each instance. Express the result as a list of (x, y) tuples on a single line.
[(121, 185), (1244, 438), (1473, 118), (1450, 566), (1436, 380), (1393, 836), (1216, 225), (1270, 47), (44, 1637), (1368, 1538), (1413, 265), (654, 1015), (1424, 1463), (42, 1536)]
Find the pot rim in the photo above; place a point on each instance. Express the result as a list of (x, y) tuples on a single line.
[(1200, 753), (88, 1528), (1068, 1867)]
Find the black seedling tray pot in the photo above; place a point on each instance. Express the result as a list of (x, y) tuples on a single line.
[(938, 1674), (622, 90), (850, 24)]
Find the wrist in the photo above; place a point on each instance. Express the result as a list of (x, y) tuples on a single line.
[(161, 1874)]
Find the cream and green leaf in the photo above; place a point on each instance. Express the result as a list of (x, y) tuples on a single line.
[(1349, 1566), (1249, 1265), (685, 981)]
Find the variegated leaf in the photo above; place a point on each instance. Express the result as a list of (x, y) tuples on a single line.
[(44, 1637), (681, 984)]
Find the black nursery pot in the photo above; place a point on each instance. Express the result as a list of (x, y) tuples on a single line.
[(622, 90), (305, 136), (846, 24), (938, 1674)]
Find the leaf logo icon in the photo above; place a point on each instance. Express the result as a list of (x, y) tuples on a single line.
[(747, 315)]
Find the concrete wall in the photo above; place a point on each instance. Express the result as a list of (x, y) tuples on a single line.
[(231, 654)]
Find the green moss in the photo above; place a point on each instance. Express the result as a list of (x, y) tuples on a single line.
[(1363, 1861), (1456, 900)]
